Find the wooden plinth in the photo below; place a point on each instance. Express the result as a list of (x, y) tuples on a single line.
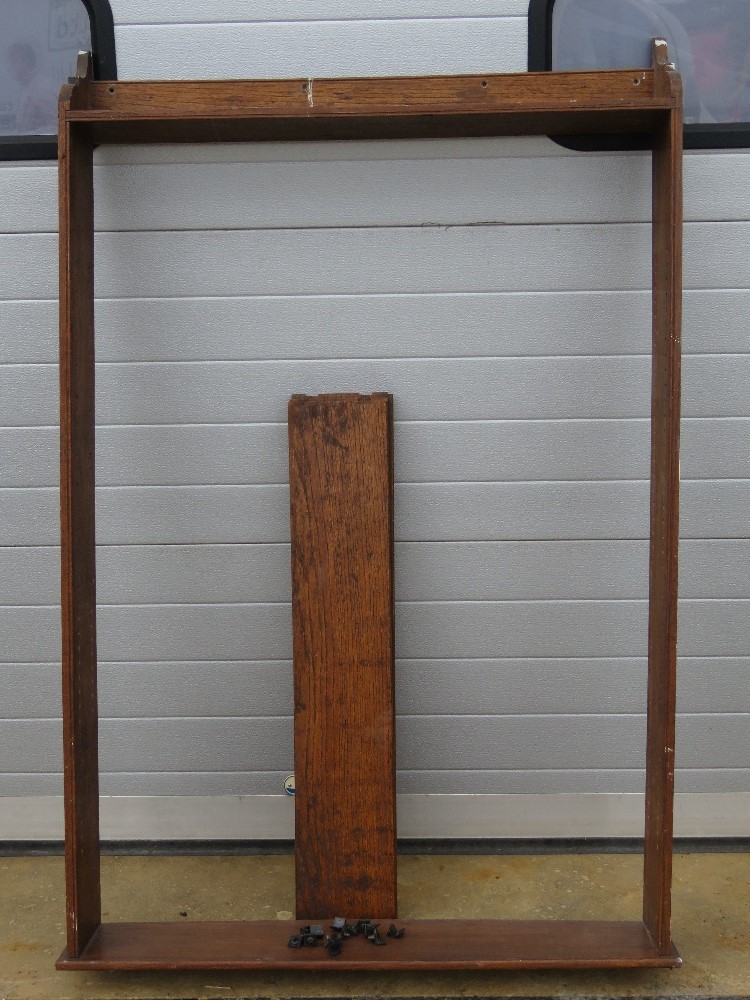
[(433, 944)]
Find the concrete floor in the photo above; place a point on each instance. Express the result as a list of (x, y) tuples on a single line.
[(711, 923)]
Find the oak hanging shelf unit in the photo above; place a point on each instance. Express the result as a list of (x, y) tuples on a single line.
[(93, 112)]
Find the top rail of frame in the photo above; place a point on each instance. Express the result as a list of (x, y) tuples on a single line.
[(602, 101)]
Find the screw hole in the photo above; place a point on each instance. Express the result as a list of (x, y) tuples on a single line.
[(111, 90), (484, 83), (636, 80)]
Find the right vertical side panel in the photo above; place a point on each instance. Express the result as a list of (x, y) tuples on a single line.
[(78, 542), (665, 479)]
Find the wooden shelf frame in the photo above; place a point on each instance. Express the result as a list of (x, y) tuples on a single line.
[(94, 112)]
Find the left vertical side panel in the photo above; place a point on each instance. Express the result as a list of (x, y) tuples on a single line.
[(77, 493)]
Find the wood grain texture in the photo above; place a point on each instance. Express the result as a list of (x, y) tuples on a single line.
[(341, 499), (428, 945), (516, 93), (78, 568), (665, 485), (370, 108)]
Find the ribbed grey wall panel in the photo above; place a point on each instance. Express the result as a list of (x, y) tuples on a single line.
[(424, 512), (567, 742), (411, 259), (499, 289), (447, 629), (465, 191), (429, 389), (439, 571), (283, 327), (319, 48), (175, 689), (458, 452)]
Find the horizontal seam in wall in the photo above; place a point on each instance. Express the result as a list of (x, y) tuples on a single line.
[(716, 480), (593, 661), (409, 715), (231, 158), (582, 771), (398, 423), (372, 294), (344, 227), (208, 362), (399, 542), (284, 158), (287, 660), (453, 422), (415, 293), (411, 770), (528, 293), (248, 362), (425, 484), (396, 20), (487, 601)]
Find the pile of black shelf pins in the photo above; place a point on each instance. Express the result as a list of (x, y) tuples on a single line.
[(310, 935)]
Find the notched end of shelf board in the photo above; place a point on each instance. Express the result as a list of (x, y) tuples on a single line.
[(84, 68), (667, 81), (70, 92)]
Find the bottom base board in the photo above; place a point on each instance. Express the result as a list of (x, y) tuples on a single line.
[(427, 944)]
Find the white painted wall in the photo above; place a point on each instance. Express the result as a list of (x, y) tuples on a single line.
[(499, 289)]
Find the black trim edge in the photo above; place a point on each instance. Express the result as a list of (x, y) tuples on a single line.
[(540, 35), (102, 39), (28, 147)]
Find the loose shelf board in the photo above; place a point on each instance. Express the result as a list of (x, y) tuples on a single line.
[(93, 112), (341, 521)]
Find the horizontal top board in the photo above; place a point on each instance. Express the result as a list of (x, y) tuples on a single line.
[(374, 108)]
